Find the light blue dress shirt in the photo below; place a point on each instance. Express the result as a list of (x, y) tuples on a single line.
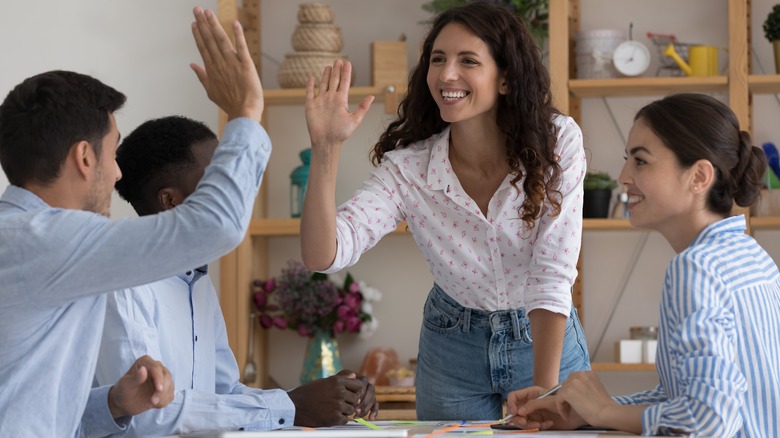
[(56, 266), (718, 353), (179, 320)]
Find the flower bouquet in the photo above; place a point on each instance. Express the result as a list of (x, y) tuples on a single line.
[(307, 301)]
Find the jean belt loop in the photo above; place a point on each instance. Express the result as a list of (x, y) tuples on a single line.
[(466, 319), (516, 325)]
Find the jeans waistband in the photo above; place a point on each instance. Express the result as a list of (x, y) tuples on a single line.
[(517, 319)]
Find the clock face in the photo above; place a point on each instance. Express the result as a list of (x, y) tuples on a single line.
[(631, 58)]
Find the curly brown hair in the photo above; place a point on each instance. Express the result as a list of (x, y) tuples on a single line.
[(525, 112)]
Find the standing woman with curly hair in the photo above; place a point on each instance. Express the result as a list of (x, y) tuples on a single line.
[(488, 176)]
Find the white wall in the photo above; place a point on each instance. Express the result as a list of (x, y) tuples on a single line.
[(143, 49)]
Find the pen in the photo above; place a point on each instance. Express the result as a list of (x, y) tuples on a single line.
[(550, 391)]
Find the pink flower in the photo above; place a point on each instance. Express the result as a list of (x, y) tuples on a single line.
[(280, 322), (353, 324), (345, 312), (306, 301), (260, 300), (353, 300), (266, 322)]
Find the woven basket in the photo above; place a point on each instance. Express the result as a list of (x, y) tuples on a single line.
[(315, 13), (297, 67), (324, 37)]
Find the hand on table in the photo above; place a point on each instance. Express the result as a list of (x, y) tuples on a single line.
[(332, 401), (582, 400)]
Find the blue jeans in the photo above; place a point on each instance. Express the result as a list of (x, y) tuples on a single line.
[(470, 359)]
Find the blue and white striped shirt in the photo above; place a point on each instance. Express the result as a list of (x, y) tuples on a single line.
[(718, 341)]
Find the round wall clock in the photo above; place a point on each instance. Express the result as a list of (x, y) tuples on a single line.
[(631, 58)]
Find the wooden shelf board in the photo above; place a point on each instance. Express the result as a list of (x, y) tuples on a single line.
[(764, 84), (297, 96), (614, 366), (765, 222), (607, 225), (646, 86), (290, 227)]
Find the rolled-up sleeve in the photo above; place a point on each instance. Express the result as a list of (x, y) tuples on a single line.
[(557, 248)]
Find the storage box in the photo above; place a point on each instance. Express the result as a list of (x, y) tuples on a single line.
[(389, 64), (594, 50), (649, 347), (628, 351)]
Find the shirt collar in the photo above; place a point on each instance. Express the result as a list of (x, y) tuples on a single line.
[(22, 198), (440, 174), (194, 275), (730, 225)]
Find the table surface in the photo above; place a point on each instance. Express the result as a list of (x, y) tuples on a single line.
[(413, 430)]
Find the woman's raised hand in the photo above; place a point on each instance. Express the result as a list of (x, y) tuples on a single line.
[(327, 114)]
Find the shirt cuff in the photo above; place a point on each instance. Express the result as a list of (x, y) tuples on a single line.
[(554, 297), (281, 411), (97, 420)]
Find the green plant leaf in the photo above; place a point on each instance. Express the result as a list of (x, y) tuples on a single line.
[(347, 281), (772, 24), (599, 180)]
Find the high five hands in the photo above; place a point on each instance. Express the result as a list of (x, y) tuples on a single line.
[(228, 74), (327, 114)]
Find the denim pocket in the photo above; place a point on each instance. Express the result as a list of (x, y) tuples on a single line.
[(438, 319)]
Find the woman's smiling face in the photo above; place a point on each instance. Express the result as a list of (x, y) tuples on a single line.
[(657, 185), (463, 77)]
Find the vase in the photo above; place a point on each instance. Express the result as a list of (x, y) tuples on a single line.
[(322, 358), (776, 49), (298, 180), (596, 203)]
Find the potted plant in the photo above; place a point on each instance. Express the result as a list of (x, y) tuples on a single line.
[(772, 33), (318, 308), (598, 188), (533, 12)]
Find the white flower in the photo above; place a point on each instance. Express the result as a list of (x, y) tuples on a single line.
[(368, 328), (366, 307), (369, 293)]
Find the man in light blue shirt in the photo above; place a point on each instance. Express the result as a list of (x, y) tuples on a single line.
[(60, 254), (179, 319)]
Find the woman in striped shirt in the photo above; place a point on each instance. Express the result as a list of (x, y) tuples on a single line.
[(718, 355)]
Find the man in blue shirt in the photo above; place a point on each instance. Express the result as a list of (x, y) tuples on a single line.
[(179, 319), (60, 254)]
